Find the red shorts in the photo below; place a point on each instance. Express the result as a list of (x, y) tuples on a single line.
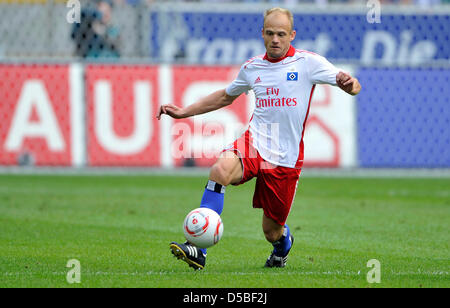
[(275, 185)]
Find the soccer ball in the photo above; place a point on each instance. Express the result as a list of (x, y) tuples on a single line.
[(203, 227)]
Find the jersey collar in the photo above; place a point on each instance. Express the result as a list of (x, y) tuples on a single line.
[(290, 53)]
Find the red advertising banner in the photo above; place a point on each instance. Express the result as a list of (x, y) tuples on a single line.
[(35, 113), (122, 101), (200, 139), (105, 115)]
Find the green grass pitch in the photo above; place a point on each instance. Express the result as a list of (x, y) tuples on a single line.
[(120, 227)]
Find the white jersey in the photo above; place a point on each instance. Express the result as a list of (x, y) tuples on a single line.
[(283, 92)]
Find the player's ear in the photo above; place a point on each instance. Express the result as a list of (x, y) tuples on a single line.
[(293, 33)]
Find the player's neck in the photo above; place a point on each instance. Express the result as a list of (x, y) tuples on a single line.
[(289, 53)]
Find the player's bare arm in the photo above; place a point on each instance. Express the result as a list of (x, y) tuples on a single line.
[(214, 101), (348, 83)]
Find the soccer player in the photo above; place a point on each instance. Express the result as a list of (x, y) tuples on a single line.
[(271, 150)]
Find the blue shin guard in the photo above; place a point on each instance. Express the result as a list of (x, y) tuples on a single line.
[(213, 199)]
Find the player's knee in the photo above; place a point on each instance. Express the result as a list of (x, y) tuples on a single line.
[(220, 174), (272, 235)]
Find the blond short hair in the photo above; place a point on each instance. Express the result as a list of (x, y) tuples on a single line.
[(280, 10)]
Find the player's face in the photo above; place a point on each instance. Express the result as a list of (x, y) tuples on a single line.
[(277, 34)]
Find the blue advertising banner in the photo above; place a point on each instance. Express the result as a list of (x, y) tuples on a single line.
[(233, 37), (403, 118)]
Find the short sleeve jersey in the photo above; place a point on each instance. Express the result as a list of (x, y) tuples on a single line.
[(283, 91)]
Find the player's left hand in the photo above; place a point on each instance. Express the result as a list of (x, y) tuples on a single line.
[(348, 83)]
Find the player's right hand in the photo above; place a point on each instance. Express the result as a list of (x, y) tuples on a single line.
[(171, 110)]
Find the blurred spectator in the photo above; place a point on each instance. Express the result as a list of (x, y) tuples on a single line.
[(96, 36)]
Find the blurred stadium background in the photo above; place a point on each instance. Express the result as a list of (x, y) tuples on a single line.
[(80, 95)]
